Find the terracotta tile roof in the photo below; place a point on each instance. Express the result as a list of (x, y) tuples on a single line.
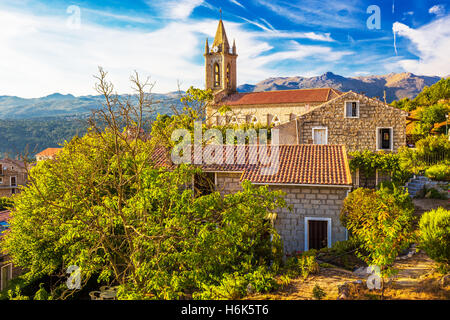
[(297, 164), (281, 96), (49, 152)]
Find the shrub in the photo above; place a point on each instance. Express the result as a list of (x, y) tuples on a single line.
[(382, 221), (439, 171), (308, 265), (318, 292), (303, 264), (5, 203), (435, 234)]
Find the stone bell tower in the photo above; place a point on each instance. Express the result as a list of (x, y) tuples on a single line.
[(220, 63)]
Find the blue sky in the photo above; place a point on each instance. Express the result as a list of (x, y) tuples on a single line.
[(56, 46)]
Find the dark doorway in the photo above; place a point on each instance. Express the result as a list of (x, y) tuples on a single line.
[(204, 183), (385, 138), (317, 234)]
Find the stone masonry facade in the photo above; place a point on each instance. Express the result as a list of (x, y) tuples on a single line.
[(305, 201), (359, 133)]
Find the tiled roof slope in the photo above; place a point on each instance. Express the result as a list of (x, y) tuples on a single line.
[(49, 152), (297, 164), (282, 96)]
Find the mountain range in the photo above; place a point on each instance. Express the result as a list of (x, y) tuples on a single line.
[(396, 86)]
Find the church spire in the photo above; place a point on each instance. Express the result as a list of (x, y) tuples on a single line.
[(221, 40), (206, 47)]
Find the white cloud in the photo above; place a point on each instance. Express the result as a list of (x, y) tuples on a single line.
[(175, 9), (40, 55), (237, 3), (438, 10), (430, 43)]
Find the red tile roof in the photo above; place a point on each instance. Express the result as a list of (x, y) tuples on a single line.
[(281, 96), (297, 164), (49, 152)]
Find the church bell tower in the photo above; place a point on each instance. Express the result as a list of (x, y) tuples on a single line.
[(220, 63)]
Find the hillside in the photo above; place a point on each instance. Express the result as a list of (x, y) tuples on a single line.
[(57, 104), (397, 85)]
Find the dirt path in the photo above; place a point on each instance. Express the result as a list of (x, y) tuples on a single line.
[(415, 280)]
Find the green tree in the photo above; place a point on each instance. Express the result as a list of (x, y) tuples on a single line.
[(435, 235), (105, 207), (382, 221)]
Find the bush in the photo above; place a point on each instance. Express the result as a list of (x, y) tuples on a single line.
[(435, 234), (439, 171), (303, 264), (5, 203), (318, 292), (236, 286)]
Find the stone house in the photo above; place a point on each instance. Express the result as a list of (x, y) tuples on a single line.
[(13, 174), (315, 178), (49, 153), (352, 119)]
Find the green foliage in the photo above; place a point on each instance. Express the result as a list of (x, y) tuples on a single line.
[(439, 171), (318, 292), (127, 223), (404, 104), (368, 162), (431, 95), (41, 294), (35, 135), (430, 150), (16, 295), (435, 234), (236, 286), (433, 114), (5, 203), (303, 264), (382, 221)]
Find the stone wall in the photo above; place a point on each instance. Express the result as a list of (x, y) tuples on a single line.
[(319, 202), (264, 113), (355, 133)]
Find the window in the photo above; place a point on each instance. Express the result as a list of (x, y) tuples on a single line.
[(233, 120), (320, 135), (352, 109), (384, 138), (216, 75), (1, 180), (275, 120), (13, 181), (228, 75), (1, 168), (5, 276), (253, 120)]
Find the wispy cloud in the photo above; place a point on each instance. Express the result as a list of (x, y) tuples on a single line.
[(40, 55), (338, 14), (438, 10), (430, 43), (175, 9), (237, 3)]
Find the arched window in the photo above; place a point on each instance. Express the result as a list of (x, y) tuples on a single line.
[(228, 75), (233, 120), (216, 75), (275, 120)]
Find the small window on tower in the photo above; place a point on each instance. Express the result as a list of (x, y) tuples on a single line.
[(228, 75), (216, 75)]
